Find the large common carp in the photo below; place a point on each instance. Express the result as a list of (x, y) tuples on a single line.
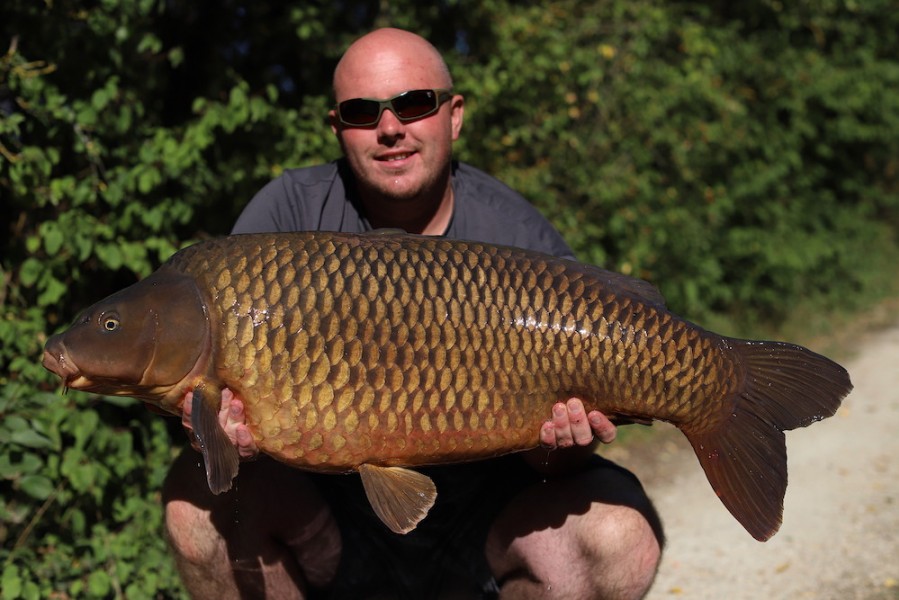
[(378, 352)]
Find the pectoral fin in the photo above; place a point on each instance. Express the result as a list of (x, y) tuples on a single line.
[(219, 454), (400, 497)]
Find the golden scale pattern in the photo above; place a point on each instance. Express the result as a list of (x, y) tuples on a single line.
[(347, 348)]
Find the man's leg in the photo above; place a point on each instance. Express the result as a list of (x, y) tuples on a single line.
[(271, 534), (593, 534)]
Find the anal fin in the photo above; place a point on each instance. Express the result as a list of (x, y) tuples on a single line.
[(400, 497), (219, 454)]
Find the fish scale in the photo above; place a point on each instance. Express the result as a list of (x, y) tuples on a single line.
[(380, 352), (520, 345)]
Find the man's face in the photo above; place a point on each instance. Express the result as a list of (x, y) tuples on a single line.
[(393, 159)]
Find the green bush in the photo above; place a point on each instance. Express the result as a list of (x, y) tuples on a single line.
[(741, 156), (737, 157)]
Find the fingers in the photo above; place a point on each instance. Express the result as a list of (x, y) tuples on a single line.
[(185, 420), (225, 409), (564, 428), (234, 424), (602, 427), (570, 426), (232, 419), (185, 409)]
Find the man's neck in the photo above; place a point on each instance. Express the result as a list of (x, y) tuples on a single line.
[(414, 217)]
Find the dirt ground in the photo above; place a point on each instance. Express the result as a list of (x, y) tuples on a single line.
[(840, 537)]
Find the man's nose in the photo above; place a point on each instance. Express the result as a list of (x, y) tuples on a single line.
[(390, 126)]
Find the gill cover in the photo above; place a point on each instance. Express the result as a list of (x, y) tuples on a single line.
[(140, 341)]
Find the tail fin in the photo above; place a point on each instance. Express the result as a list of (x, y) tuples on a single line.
[(745, 459)]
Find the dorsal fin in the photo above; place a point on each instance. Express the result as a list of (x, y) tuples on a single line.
[(386, 231), (639, 288), (400, 497)]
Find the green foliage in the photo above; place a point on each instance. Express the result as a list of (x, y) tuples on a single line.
[(739, 158), (81, 502), (742, 156)]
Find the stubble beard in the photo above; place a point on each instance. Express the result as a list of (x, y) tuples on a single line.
[(398, 204)]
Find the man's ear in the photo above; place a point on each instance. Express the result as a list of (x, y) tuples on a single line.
[(334, 121), (457, 114)]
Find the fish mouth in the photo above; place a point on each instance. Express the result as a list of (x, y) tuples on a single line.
[(72, 377), (58, 363)]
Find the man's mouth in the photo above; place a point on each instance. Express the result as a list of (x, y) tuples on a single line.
[(395, 157)]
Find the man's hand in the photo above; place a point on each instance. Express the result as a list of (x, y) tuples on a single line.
[(232, 419), (570, 426)]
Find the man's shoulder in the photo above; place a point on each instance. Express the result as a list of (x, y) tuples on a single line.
[(489, 210), (480, 186), (488, 194), (301, 184), (298, 199), (324, 173)]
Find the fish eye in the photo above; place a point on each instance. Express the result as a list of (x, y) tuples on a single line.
[(110, 322)]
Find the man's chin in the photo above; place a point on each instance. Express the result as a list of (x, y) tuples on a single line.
[(399, 189)]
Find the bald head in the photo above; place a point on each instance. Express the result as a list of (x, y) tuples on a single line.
[(388, 61)]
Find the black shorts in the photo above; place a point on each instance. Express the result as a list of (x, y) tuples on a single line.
[(444, 556)]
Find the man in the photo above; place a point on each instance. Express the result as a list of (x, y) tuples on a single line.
[(562, 524)]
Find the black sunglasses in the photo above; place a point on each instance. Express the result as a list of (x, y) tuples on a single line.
[(407, 106)]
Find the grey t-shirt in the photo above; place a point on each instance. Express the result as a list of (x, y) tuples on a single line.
[(322, 198), (446, 551)]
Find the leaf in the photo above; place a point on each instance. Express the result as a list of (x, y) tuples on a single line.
[(36, 486), (53, 291), (98, 584), (111, 255), (32, 244), (53, 238), (30, 271), (11, 582), (15, 423), (83, 246), (149, 43), (147, 179), (31, 439), (100, 99), (30, 463)]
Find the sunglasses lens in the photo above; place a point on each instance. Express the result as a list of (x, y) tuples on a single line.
[(359, 111), (416, 103)]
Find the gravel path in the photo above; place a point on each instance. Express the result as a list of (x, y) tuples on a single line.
[(840, 537)]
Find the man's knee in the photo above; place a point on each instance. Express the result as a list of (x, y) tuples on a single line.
[(608, 552), (191, 534), (624, 549), (604, 533), (188, 516)]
